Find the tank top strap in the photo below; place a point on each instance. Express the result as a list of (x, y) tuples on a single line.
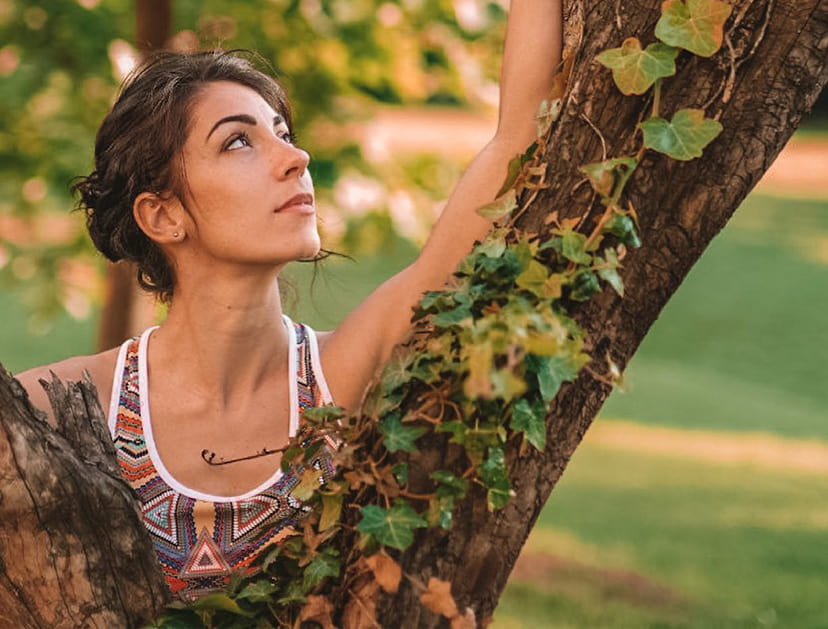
[(312, 389)]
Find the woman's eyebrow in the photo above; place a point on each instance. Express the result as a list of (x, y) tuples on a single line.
[(277, 120)]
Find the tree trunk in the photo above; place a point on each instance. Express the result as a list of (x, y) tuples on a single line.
[(73, 550), (780, 59), (775, 63), (128, 310)]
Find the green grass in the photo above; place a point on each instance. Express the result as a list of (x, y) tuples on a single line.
[(741, 344), (727, 546)]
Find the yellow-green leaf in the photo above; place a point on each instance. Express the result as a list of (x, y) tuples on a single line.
[(602, 175), (533, 278), (500, 207), (697, 25), (634, 69), (682, 138)]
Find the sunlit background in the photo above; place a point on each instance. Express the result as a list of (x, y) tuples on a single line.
[(700, 496)]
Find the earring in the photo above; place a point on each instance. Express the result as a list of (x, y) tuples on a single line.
[(175, 234)]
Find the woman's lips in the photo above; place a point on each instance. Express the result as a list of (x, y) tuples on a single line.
[(300, 203)]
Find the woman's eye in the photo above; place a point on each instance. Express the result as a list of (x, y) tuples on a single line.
[(288, 137), (237, 142)]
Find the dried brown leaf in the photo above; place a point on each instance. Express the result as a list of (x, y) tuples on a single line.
[(387, 572), (466, 621), (318, 609), (438, 598)]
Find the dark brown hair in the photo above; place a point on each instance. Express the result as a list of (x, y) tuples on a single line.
[(138, 144)]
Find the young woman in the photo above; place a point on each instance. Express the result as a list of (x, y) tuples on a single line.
[(198, 181)]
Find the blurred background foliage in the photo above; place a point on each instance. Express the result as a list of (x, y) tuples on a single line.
[(341, 61)]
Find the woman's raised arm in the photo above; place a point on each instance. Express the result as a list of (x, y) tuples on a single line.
[(366, 336)]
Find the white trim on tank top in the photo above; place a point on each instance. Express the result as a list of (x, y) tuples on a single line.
[(316, 364), (146, 419)]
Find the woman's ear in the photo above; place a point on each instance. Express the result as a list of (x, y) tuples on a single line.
[(159, 217)]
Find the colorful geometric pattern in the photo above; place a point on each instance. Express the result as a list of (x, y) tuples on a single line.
[(197, 562)]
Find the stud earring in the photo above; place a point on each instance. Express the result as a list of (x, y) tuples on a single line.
[(175, 234)]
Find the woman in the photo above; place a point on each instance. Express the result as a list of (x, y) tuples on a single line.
[(198, 181)]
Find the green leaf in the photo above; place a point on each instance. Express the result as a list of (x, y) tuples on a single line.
[(635, 70), (533, 278), (507, 385), (551, 372), (585, 286), (512, 172), (500, 207), (623, 226), (450, 485), (441, 511), (320, 414), (400, 472), (452, 317), (257, 592), (603, 175), (397, 436), (684, 137), (331, 510), (548, 112), (531, 423), (495, 477), (323, 565), (573, 247), (392, 527), (697, 26), (218, 601), (613, 279)]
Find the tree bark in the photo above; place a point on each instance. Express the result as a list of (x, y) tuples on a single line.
[(73, 550), (64, 565)]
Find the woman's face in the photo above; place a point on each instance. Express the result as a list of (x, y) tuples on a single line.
[(247, 190)]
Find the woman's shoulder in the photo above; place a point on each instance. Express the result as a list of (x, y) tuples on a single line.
[(100, 367)]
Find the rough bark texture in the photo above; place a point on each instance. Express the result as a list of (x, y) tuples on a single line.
[(73, 551), (779, 54)]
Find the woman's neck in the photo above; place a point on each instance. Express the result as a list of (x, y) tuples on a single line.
[(226, 339)]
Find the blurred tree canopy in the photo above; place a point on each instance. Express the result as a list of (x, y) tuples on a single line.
[(61, 62)]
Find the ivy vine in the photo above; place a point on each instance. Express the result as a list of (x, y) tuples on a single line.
[(501, 343)]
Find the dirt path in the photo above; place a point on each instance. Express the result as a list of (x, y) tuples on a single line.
[(734, 448)]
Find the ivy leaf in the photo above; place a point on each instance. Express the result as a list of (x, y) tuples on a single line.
[(533, 278), (512, 172), (397, 436), (500, 207), (552, 371), (602, 175), (450, 485), (573, 247), (392, 527), (530, 423), (585, 286), (548, 112), (623, 226), (613, 279), (452, 317), (218, 601), (309, 482), (331, 510), (400, 472), (697, 26), (257, 592), (324, 564), (635, 70), (495, 477), (684, 137)]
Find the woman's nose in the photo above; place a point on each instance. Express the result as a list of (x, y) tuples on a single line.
[(289, 160)]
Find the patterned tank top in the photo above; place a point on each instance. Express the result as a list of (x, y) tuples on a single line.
[(201, 539)]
